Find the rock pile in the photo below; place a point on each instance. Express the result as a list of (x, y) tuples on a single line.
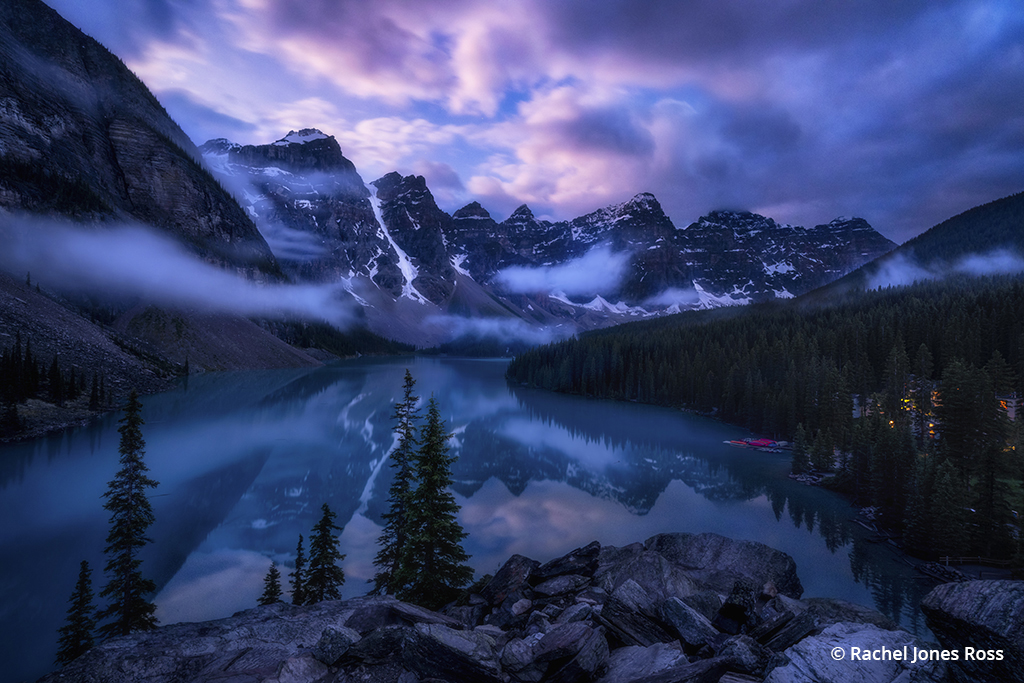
[(679, 607)]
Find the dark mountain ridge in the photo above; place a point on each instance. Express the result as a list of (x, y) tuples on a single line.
[(83, 137)]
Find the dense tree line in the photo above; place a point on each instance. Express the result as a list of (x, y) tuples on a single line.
[(896, 390), (23, 376)]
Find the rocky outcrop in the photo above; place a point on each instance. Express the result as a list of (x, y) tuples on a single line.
[(81, 136), (639, 613), (987, 616)]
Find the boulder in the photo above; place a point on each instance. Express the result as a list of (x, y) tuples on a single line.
[(334, 642), (576, 612), (512, 577), (559, 585), (739, 612), (573, 652), (745, 655), (984, 615), (655, 574), (833, 611), (518, 659), (582, 561), (691, 627), (436, 651), (633, 662), (631, 617), (706, 602), (812, 660), (719, 561)]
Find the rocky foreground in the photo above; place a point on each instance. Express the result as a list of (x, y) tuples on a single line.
[(677, 608)]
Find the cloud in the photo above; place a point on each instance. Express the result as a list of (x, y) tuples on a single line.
[(674, 296), (504, 330), (130, 262), (903, 113), (900, 270), (599, 271)]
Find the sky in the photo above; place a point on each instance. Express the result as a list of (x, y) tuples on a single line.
[(903, 113)]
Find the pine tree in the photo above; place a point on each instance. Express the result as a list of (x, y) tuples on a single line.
[(801, 462), (130, 516), (271, 586), (392, 541), (299, 576), (324, 578), (76, 635), (436, 559)]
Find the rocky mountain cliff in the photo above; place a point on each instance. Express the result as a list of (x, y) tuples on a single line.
[(389, 241), (676, 608), (81, 136)]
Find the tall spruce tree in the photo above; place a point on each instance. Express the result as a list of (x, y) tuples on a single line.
[(130, 516), (324, 578), (801, 461), (299, 576), (391, 577), (436, 559), (76, 634), (271, 586)]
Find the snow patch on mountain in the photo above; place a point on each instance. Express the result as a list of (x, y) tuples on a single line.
[(409, 271)]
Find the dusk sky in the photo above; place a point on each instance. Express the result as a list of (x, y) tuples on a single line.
[(904, 113)]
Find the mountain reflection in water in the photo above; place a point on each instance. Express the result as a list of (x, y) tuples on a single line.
[(245, 460)]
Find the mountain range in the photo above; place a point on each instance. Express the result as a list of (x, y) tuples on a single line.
[(391, 245), (84, 143)]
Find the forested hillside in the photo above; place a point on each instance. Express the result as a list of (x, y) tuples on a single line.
[(920, 367)]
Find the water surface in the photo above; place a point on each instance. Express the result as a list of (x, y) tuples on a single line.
[(245, 461)]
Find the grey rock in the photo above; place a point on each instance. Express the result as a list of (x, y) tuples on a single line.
[(811, 661), (718, 561), (576, 612), (632, 662), (701, 671), (574, 652), (985, 615), (441, 652), (833, 611), (592, 596), (521, 606), (739, 610), (793, 632), (706, 602), (560, 585), (770, 627), (334, 642), (518, 659), (630, 616), (657, 575), (467, 615), (689, 625), (582, 561), (745, 654), (511, 577), (382, 644)]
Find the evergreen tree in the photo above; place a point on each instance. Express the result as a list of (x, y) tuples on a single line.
[(950, 532), (10, 423), (437, 568), (823, 455), (801, 461), (390, 576), (324, 577), (130, 516), (299, 576), (76, 634), (271, 586)]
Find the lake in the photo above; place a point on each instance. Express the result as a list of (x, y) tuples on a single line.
[(246, 459)]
